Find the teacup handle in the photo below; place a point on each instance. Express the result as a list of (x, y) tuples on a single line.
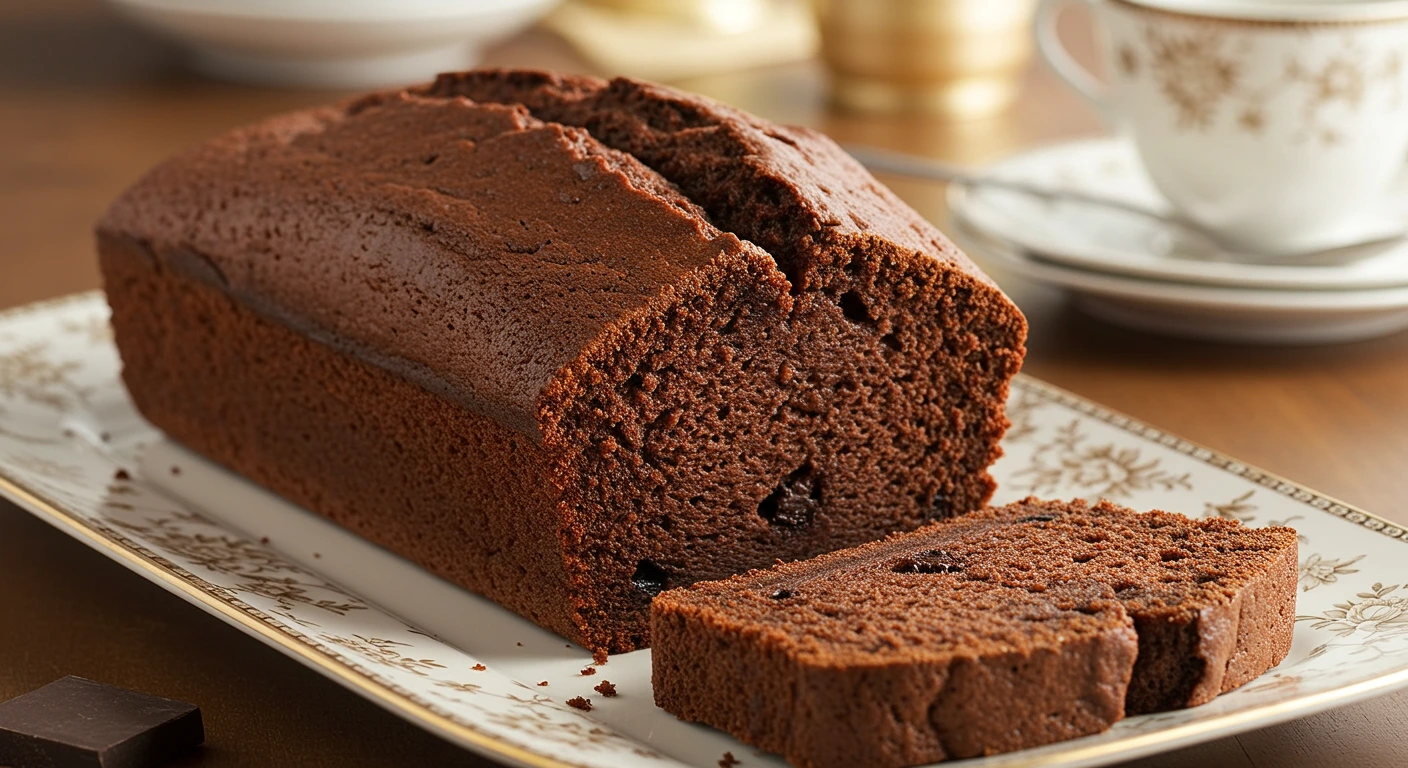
[(1048, 42)]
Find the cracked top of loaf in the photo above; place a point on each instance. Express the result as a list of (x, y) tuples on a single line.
[(484, 233)]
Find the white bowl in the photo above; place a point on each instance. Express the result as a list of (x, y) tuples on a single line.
[(334, 43)]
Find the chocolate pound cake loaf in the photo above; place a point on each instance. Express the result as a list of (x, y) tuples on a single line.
[(564, 342), (1003, 629)]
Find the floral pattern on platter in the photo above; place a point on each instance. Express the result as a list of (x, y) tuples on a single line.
[(70, 447), (1104, 471), (1316, 570)]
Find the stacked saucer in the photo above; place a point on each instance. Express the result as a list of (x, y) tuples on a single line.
[(1136, 272)]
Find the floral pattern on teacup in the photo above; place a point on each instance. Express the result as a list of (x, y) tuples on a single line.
[(1201, 69)]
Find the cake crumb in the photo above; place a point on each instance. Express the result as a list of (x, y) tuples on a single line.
[(105, 436), (588, 671), (605, 688), (598, 657), (728, 761), (478, 667), (542, 683), (577, 702), (317, 556), (121, 474), (175, 470), (520, 645), (263, 539)]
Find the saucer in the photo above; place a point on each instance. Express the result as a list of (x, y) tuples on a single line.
[(1108, 241), (1204, 312), (352, 44)]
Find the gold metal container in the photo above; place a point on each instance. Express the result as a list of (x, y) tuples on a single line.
[(958, 58), (720, 15)]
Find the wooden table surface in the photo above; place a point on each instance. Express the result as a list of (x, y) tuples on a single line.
[(87, 103)]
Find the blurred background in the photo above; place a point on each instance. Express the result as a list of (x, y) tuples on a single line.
[(92, 93)]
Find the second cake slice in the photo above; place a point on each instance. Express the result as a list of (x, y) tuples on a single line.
[(1001, 630)]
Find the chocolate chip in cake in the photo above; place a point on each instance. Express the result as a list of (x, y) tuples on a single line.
[(649, 578), (795, 500), (928, 561), (780, 594)]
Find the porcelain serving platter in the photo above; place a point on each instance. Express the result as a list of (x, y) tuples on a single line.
[(73, 452)]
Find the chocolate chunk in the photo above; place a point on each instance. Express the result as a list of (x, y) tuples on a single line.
[(77, 722), (649, 578), (795, 500), (928, 561)]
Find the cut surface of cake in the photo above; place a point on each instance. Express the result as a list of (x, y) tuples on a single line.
[(1004, 629), (1213, 600), (562, 341)]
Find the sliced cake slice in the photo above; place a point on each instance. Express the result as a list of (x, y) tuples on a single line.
[(1000, 630), (883, 656), (1213, 600)]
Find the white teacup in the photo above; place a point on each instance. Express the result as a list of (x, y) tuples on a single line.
[(1278, 125)]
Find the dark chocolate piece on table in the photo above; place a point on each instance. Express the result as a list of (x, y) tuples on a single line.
[(77, 722)]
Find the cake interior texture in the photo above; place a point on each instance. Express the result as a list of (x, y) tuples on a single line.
[(565, 342), (1070, 615)]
